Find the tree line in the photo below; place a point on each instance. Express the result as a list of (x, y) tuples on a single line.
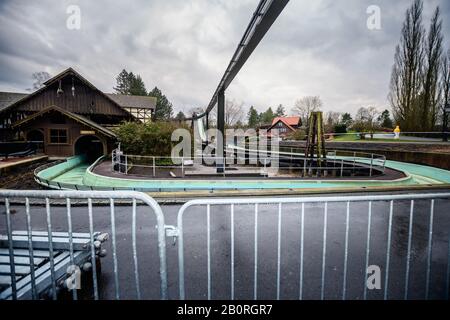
[(420, 82), (129, 83)]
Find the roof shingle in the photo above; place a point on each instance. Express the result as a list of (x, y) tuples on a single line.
[(8, 98), (126, 101)]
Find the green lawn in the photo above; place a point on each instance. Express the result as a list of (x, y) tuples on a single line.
[(355, 138), (346, 137)]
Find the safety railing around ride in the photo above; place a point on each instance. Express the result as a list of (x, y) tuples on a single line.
[(346, 247), (389, 136), (269, 163)]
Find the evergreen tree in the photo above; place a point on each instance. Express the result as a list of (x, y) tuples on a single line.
[(253, 117), (180, 116), (267, 116), (164, 108), (346, 119), (280, 111), (385, 119), (137, 86), (130, 84), (123, 82)]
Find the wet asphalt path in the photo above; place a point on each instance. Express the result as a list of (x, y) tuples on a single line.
[(195, 241)]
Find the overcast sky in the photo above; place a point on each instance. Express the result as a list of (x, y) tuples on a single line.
[(320, 47)]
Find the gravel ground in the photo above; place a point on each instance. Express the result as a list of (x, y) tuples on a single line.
[(22, 178)]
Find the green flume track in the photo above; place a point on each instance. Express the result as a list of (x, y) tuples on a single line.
[(75, 171)]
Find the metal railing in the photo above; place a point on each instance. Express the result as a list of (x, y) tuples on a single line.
[(252, 210), (386, 136), (339, 163), (69, 196), (245, 236)]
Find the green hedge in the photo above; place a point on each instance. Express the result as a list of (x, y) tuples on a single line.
[(150, 139)]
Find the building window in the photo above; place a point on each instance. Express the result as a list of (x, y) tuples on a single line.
[(58, 135)]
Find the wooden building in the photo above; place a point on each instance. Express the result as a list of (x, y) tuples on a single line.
[(285, 125), (69, 116)]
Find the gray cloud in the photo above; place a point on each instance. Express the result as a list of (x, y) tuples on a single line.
[(183, 46)]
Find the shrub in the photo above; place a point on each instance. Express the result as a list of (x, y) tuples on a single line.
[(299, 134), (340, 128), (129, 134), (151, 138)]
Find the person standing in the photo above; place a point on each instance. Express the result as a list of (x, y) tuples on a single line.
[(397, 132)]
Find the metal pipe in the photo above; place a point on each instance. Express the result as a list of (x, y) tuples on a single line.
[(232, 251), (388, 250), (447, 291), (371, 165), (114, 249), (369, 223), (279, 251), (93, 262), (302, 230), (408, 256), (69, 226), (135, 258), (264, 16), (11, 250), (347, 225), (255, 272), (154, 169), (208, 245), (324, 250), (430, 246), (30, 249), (50, 248)]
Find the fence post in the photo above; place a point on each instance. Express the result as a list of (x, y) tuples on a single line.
[(342, 167), (354, 162), (154, 170), (265, 172), (371, 163), (304, 165), (112, 160)]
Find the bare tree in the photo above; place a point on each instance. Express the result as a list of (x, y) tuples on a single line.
[(304, 106), (406, 73), (445, 90), (433, 54), (332, 118), (38, 80), (366, 120), (194, 110), (234, 112)]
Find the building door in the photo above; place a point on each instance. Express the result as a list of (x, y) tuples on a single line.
[(91, 146)]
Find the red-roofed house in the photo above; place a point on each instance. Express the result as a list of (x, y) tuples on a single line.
[(285, 125)]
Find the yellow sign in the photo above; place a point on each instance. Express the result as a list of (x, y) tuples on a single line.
[(87, 132)]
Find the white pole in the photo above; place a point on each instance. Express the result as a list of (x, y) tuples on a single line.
[(154, 170)]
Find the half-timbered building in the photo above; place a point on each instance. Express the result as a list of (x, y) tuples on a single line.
[(69, 115)]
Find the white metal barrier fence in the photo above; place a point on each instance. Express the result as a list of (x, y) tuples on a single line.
[(418, 206), (34, 280), (236, 248)]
